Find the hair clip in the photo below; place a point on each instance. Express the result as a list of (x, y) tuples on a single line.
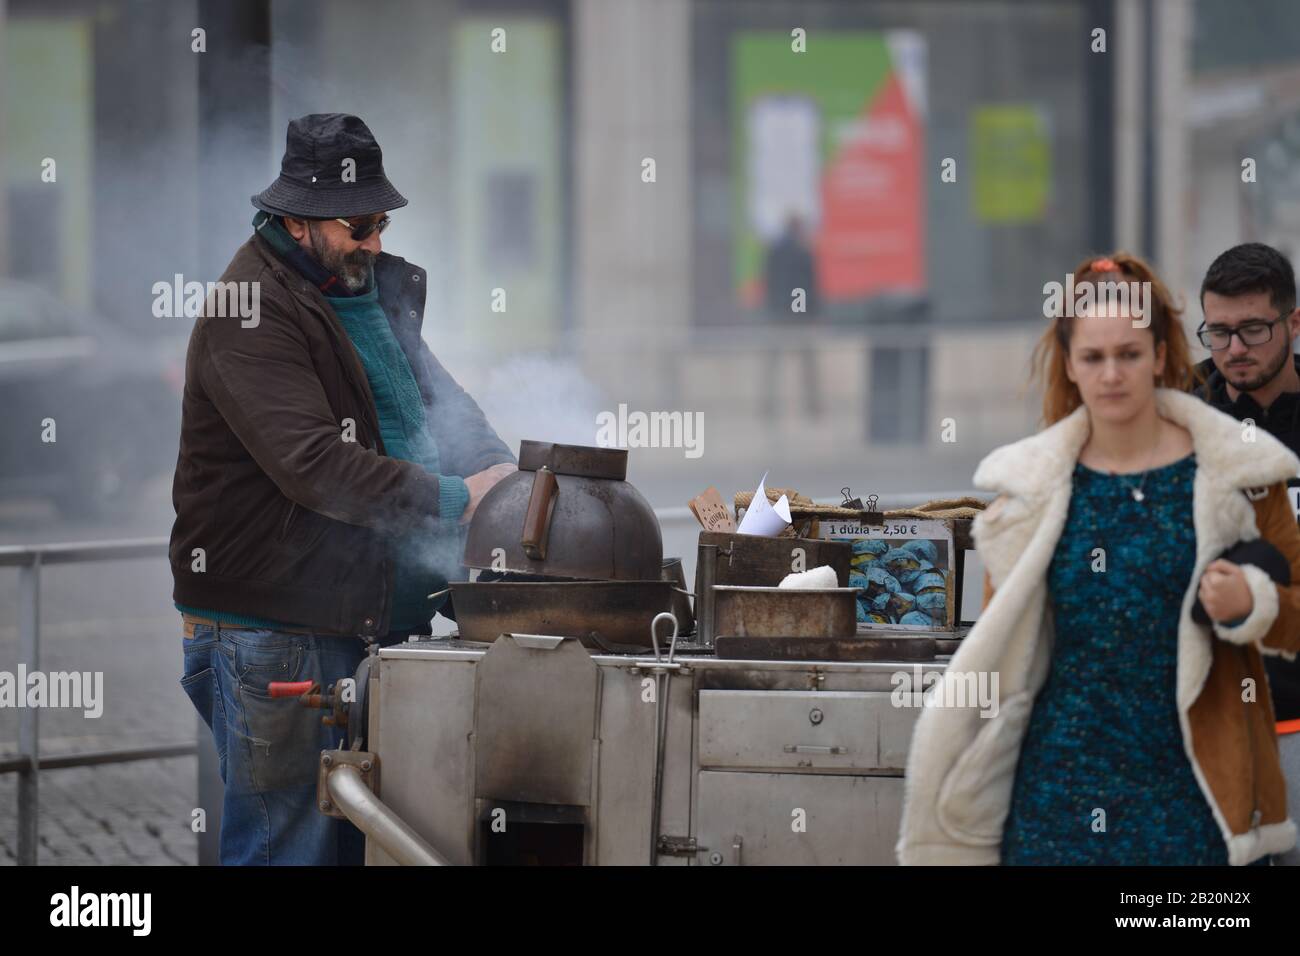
[(1103, 264)]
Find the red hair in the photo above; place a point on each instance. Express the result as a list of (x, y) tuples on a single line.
[(1060, 395)]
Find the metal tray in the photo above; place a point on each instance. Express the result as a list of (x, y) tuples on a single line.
[(784, 612), (612, 616)]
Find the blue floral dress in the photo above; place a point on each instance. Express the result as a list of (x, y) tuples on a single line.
[(1103, 777)]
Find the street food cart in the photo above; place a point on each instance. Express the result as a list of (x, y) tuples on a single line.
[(581, 716)]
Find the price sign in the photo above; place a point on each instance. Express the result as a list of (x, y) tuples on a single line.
[(903, 569)]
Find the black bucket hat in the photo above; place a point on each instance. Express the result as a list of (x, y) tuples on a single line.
[(311, 184)]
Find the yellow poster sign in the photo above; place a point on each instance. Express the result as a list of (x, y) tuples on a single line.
[(1012, 157)]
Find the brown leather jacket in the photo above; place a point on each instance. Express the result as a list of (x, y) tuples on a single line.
[(277, 515)]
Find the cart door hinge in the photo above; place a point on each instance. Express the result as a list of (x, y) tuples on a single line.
[(679, 846)]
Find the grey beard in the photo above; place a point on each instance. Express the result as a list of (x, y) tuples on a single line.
[(354, 281), (354, 269)]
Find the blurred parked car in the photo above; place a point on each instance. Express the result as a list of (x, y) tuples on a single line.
[(113, 393)]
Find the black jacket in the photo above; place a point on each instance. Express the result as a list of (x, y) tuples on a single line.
[(1281, 420), (293, 521), (790, 265)]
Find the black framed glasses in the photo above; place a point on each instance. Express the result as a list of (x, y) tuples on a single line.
[(1250, 333), (362, 232)]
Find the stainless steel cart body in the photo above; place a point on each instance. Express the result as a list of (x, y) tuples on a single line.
[(534, 749)]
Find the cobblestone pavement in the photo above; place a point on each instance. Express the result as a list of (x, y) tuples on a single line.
[(124, 814)]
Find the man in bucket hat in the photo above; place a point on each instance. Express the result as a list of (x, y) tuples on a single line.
[(328, 465)]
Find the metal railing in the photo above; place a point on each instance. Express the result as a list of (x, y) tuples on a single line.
[(28, 763)]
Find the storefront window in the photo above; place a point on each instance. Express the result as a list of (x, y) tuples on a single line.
[(927, 158)]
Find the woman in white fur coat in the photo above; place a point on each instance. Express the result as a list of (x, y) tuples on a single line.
[(1126, 732)]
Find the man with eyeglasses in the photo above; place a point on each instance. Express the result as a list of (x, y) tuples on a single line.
[(1248, 298), (328, 467)]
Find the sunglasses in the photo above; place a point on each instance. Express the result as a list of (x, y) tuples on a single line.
[(363, 231)]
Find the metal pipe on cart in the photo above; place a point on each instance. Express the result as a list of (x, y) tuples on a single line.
[(706, 576), (663, 672), (373, 818)]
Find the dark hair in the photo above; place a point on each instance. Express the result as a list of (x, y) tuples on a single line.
[(1252, 267)]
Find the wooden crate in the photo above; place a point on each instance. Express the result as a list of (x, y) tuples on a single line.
[(748, 559)]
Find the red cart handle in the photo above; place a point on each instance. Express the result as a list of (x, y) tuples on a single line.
[(280, 688)]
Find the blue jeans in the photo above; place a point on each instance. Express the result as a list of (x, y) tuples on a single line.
[(269, 749)]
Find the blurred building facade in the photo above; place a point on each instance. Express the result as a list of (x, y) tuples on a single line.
[(619, 170)]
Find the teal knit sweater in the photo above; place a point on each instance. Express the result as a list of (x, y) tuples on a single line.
[(421, 565)]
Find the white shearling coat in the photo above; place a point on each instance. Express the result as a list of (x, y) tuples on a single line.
[(961, 766)]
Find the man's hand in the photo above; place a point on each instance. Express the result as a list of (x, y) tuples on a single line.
[(1224, 592), (480, 484)]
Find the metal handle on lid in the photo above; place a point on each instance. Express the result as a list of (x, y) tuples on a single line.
[(537, 519)]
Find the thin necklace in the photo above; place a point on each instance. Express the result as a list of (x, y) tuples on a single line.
[(1137, 493)]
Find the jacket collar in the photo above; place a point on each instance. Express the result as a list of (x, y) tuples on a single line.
[(1281, 415), (401, 287), (401, 297), (1035, 466), (1215, 389), (271, 229)]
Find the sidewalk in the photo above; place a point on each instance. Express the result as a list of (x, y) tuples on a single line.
[(128, 814)]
